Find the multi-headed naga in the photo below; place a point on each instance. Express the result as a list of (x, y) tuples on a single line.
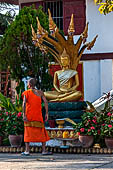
[(67, 54)]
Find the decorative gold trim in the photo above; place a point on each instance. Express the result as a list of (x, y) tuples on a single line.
[(35, 149), (34, 124)]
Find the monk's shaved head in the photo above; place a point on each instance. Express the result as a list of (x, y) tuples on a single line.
[(32, 82)]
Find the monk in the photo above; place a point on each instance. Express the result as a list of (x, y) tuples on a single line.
[(34, 130)]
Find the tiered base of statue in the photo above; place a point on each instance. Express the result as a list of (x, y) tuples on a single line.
[(57, 126), (61, 110)]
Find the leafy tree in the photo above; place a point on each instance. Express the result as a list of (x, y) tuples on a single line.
[(18, 52), (5, 20), (105, 7)]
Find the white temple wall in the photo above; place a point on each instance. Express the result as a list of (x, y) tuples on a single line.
[(112, 74), (106, 76), (99, 24), (98, 74), (91, 80), (97, 78)]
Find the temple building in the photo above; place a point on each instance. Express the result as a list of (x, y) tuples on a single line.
[(13, 2), (97, 63), (97, 69)]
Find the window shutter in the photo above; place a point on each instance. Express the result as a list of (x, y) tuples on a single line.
[(78, 8)]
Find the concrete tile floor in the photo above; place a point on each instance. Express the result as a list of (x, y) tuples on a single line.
[(56, 162)]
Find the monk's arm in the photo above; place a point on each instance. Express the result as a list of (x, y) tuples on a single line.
[(24, 109), (46, 106)]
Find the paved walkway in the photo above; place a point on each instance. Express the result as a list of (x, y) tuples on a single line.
[(56, 162)]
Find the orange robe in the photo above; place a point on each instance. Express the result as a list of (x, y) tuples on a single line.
[(34, 113)]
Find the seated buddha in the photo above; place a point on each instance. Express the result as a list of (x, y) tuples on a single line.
[(66, 82), (67, 54)]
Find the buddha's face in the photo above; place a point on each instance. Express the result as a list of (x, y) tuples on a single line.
[(65, 61)]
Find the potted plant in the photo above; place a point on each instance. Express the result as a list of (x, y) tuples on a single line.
[(96, 125), (105, 121), (2, 127), (14, 128), (14, 125), (88, 128), (107, 128)]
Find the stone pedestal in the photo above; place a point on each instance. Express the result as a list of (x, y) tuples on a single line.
[(72, 110)]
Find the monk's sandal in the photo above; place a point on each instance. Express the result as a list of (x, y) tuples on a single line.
[(47, 153), (25, 153)]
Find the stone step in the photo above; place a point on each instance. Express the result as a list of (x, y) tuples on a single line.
[(66, 106), (66, 114)]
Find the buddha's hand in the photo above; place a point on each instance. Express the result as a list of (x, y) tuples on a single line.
[(72, 89), (63, 90), (58, 90), (67, 90)]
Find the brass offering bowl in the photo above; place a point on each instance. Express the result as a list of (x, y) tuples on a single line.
[(60, 122)]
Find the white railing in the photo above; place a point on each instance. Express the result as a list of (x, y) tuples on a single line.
[(103, 99)]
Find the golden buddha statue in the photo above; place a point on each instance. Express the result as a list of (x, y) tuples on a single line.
[(67, 54), (68, 82)]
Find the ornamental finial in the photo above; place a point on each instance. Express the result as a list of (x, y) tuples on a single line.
[(71, 25), (52, 25)]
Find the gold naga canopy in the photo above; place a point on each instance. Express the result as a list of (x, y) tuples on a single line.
[(55, 42)]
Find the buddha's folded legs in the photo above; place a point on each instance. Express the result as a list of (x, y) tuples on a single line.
[(51, 95), (65, 97), (72, 97)]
